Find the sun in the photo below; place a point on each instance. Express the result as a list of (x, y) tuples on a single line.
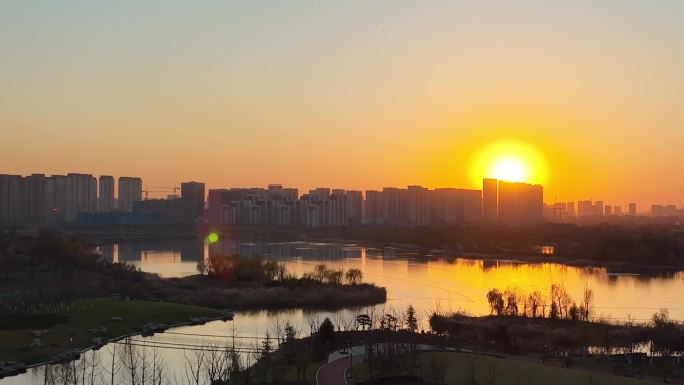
[(512, 169), (512, 161)]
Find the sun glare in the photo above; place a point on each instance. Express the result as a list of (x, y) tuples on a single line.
[(510, 169), (510, 161)]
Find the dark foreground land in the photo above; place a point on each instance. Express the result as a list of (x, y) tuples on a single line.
[(39, 337), (59, 285), (402, 356)]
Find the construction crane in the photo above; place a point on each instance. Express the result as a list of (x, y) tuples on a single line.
[(173, 188)]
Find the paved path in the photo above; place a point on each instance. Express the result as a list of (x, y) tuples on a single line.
[(332, 373)]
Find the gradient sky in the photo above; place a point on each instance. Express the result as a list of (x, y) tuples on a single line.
[(351, 94)]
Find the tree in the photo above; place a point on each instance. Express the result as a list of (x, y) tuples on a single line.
[(202, 268), (574, 312), (553, 312), (496, 302), (353, 276), (511, 303), (411, 320), (319, 272), (290, 332), (333, 277), (326, 332), (534, 301), (665, 333), (266, 346), (270, 270), (364, 321), (561, 299), (588, 299)]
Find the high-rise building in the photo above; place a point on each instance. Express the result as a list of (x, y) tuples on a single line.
[(570, 209), (130, 190), (105, 197), (520, 203), (36, 199), (632, 209), (617, 211), (354, 206), (454, 206), (12, 197), (608, 210), (373, 206), (417, 205), (57, 197), (598, 208), (192, 196), (81, 195), (490, 202)]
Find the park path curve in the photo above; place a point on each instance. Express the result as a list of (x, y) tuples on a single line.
[(332, 373)]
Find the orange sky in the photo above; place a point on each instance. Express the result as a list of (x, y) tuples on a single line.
[(352, 95)]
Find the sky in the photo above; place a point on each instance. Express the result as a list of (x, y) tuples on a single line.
[(347, 94)]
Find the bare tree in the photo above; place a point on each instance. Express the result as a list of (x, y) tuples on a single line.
[(587, 301), (93, 364), (130, 361), (115, 365), (193, 366), (216, 365)]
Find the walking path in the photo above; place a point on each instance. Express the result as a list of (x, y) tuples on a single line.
[(332, 373)]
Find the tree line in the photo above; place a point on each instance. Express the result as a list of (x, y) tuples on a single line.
[(557, 304), (241, 268)]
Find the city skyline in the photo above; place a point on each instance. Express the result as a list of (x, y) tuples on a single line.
[(347, 94), (169, 191), (39, 199)]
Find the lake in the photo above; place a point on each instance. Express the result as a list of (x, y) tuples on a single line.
[(429, 283)]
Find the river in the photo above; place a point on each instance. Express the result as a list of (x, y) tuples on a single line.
[(429, 283)]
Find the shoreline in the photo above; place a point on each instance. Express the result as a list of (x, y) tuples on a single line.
[(104, 235), (119, 338)]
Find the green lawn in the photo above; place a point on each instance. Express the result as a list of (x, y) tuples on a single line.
[(285, 373), (460, 368), (69, 329)]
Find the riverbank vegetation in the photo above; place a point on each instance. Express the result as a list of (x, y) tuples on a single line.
[(598, 244)]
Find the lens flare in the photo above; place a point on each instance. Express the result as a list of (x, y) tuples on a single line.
[(211, 238)]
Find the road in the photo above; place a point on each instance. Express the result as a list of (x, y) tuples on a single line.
[(332, 373)]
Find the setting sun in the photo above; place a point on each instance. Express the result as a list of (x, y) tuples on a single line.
[(511, 169), (511, 161)]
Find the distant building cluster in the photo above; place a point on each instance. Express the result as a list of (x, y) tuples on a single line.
[(413, 206), (38, 200), (597, 211)]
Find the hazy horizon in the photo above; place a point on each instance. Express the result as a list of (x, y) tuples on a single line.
[(351, 95)]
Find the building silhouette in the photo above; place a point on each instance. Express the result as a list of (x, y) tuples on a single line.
[(520, 203), (81, 195), (192, 198), (105, 196), (130, 191), (490, 202)]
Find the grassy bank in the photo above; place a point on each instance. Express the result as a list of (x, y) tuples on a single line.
[(464, 368), (69, 328)]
